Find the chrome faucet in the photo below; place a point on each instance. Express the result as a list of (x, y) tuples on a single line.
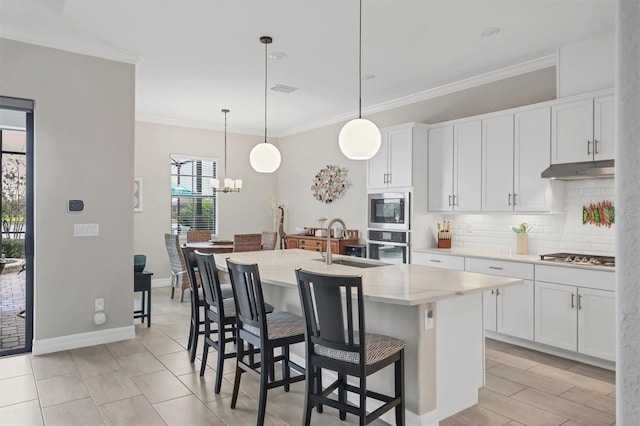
[(344, 229)]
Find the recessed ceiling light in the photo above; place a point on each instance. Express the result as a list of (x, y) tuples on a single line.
[(368, 77), (276, 56), (488, 32)]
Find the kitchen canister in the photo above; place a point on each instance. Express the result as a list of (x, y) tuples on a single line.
[(522, 243)]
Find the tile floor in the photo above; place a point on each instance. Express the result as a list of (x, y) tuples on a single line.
[(149, 381)]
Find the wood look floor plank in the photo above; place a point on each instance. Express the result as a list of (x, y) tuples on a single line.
[(497, 345), (508, 359), (476, 416), (594, 372), (502, 385), (591, 399), (564, 408), (518, 410), (488, 363), (573, 378), (541, 357), (529, 379)]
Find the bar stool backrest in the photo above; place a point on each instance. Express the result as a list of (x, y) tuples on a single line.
[(212, 292), (328, 310), (247, 292)]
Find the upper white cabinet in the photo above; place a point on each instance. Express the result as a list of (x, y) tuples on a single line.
[(392, 166), (455, 167), (515, 150), (583, 130)]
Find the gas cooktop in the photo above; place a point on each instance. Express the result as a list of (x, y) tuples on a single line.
[(580, 259)]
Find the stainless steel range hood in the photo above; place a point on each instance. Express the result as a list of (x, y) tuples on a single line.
[(586, 170)]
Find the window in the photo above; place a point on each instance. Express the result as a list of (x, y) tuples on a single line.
[(194, 204)]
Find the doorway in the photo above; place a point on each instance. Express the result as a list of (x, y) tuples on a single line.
[(16, 225)]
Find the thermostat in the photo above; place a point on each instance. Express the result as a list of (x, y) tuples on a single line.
[(75, 206)]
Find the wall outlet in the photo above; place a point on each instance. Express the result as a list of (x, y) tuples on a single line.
[(428, 318), (100, 305)]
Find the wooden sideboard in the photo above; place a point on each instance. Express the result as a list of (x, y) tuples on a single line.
[(309, 242)]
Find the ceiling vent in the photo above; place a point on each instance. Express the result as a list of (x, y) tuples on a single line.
[(283, 89)]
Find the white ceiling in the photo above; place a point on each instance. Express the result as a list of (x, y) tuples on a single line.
[(196, 57)]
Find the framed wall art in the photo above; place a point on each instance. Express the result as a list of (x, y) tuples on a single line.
[(137, 195)]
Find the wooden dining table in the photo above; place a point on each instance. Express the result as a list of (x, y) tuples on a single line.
[(211, 247)]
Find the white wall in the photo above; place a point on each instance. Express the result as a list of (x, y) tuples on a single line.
[(304, 154), (243, 212), (551, 233), (84, 144)]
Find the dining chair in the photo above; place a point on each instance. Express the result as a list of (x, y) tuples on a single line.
[(269, 240), (247, 242), (335, 339), (199, 236), (179, 277), (196, 327), (257, 329)]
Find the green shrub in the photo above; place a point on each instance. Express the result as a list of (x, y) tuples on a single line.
[(13, 249)]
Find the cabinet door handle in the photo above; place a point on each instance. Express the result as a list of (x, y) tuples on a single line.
[(388, 177), (595, 146), (588, 147), (384, 178), (450, 200), (454, 200), (496, 267), (514, 199), (498, 292), (493, 291), (435, 260), (509, 199), (573, 305), (579, 301)]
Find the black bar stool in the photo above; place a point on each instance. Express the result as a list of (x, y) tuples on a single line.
[(332, 342)]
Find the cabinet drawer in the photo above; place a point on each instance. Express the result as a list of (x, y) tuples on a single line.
[(500, 267), (583, 277), (438, 260)]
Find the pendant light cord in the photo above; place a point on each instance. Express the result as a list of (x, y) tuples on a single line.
[(265, 92), (360, 64), (225, 141)]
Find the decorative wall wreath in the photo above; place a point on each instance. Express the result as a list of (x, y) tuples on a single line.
[(330, 183)]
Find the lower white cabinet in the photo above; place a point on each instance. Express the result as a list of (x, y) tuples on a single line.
[(507, 310), (576, 319)]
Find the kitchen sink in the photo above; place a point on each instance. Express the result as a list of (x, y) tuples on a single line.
[(354, 263)]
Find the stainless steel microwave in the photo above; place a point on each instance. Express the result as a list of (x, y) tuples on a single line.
[(389, 210)]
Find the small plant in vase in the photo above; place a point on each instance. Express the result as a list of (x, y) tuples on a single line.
[(522, 237)]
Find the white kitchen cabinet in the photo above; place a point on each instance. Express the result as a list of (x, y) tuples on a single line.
[(455, 167), (556, 322), (497, 163), (583, 129), (515, 151), (437, 260), (507, 310), (597, 323), (392, 166), (574, 317), (532, 151)]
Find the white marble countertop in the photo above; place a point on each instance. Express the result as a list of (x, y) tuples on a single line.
[(507, 255), (398, 284)]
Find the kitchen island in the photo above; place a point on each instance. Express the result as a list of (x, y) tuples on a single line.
[(437, 312)]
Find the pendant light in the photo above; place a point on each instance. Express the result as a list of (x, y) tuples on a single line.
[(230, 185), (359, 139), (265, 157)]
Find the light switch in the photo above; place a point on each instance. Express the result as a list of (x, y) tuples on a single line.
[(86, 230)]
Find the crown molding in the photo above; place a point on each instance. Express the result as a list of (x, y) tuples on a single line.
[(150, 118), (479, 80), (69, 44)]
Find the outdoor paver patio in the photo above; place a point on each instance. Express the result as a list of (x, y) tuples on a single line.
[(12, 302)]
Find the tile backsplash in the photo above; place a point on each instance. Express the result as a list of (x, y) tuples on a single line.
[(550, 232)]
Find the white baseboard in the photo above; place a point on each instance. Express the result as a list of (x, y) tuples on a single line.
[(161, 282), (81, 340), (411, 418)]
